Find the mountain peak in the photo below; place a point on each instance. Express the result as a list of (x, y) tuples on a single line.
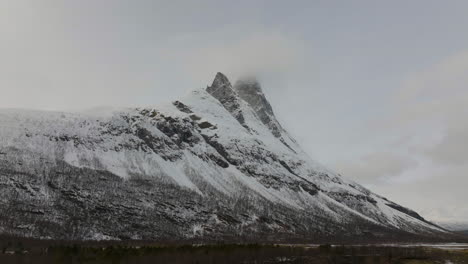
[(249, 89), (220, 81), (221, 89)]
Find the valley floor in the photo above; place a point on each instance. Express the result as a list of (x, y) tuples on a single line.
[(17, 252)]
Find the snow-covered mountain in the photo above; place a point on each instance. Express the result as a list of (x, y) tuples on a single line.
[(213, 165)]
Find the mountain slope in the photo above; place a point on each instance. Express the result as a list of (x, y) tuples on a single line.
[(213, 165)]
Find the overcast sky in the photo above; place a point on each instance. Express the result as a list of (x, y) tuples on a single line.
[(377, 90)]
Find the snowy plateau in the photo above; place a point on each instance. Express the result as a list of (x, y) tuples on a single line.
[(215, 165)]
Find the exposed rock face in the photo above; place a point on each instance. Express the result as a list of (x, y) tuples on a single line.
[(250, 91), (210, 166), (221, 89)]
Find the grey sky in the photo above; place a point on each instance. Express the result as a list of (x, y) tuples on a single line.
[(377, 90)]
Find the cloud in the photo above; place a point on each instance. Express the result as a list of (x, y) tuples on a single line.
[(255, 52), (375, 167), (439, 92), (429, 114), (80, 54), (448, 213), (452, 149), (440, 188), (423, 152), (435, 101)]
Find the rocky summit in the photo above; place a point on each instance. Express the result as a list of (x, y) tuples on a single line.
[(215, 165)]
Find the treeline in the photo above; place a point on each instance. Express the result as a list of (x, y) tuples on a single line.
[(33, 252)]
